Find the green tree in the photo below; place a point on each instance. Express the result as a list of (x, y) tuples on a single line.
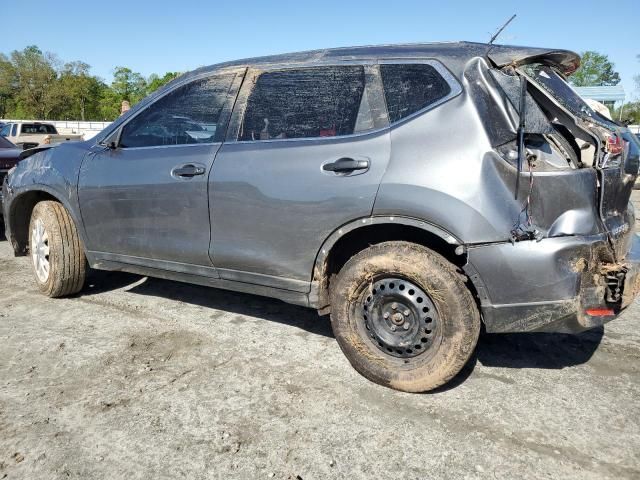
[(78, 91), (35, 75), (129, 85), (8, 85), (126, 85), (109, 104), (154, 82), (629, 113), (595, 70)]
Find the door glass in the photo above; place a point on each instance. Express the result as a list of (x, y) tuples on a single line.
[(409, 88), (5, 130), (187, 115), (14, 130), (307, 102)]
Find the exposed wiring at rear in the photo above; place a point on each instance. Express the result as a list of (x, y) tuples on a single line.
[(523, 228)]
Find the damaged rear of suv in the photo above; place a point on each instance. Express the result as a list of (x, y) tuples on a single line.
[(574, 173), (414, 192)]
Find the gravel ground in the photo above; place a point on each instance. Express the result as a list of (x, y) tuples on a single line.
[(145, 378)]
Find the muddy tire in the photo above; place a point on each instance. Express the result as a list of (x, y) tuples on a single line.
[(57, 257), (403, 316)]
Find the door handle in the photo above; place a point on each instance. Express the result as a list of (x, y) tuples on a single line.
[(188, 171), (346, 165)]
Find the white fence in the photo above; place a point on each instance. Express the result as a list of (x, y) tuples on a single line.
[(88, 129)]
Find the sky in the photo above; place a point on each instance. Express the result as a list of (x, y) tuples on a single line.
[(156, 36)]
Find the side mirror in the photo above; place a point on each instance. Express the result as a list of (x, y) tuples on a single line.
[(112, 141)]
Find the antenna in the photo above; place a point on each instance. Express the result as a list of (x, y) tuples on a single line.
[(501, 29)]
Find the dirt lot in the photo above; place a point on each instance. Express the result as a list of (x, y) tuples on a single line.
[(144, 378)]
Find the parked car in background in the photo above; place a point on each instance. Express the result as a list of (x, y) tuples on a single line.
[(31, 134), (411, 191), (9, 158)]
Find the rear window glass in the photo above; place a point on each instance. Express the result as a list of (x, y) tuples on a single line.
[(307, 102), (409, 88), (35, 128), (549, 80)]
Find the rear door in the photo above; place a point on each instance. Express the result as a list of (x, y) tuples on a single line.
[(306, 150), (147, 199)]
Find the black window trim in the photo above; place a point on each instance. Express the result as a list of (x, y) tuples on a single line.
[(452, 81), (371, 74), (226, 110)]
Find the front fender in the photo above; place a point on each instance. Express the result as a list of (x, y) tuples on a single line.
[(50, 173)]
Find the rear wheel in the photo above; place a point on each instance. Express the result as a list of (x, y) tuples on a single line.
[(57, 258), (403, 316)]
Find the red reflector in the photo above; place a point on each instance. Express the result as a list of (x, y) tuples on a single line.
[(600, 312), (615, 145)]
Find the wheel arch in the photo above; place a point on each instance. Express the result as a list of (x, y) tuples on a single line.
[(359, 234), (20, 210)]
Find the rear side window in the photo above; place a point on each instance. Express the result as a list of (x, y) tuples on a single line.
[(37, 128), (14, 130), (306, 103), (187, 115), (409, 88)]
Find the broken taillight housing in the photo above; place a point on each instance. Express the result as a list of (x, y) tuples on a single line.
[(600, 312), (615, 144)]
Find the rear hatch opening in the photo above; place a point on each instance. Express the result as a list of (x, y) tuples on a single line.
[(563, 132), (597, 142)]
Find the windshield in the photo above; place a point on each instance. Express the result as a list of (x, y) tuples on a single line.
[(549, 80)]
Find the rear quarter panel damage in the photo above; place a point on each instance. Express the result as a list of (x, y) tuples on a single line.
[(461, 184)]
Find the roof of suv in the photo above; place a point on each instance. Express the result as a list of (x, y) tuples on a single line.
[(455, 54)]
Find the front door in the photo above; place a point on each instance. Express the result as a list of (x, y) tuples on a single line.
[(305, 154), (148, 197)]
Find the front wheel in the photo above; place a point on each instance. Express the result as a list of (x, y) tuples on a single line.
[(403, 316), (57, 257)]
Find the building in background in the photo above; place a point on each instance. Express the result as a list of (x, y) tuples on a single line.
[(611, 96)]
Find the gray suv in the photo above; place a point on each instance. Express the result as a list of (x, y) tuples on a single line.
[(414, 192)]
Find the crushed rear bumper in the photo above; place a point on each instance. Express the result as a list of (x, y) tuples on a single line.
[(564, 284)]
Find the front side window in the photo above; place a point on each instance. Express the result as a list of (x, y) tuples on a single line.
[(189, 114), (307, 103), (5, 130), (409, 88)]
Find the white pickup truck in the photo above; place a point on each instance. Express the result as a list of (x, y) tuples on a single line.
[(31, 134)]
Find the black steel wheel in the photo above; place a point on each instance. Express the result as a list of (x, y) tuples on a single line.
[(400, 317), (403, 316)]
